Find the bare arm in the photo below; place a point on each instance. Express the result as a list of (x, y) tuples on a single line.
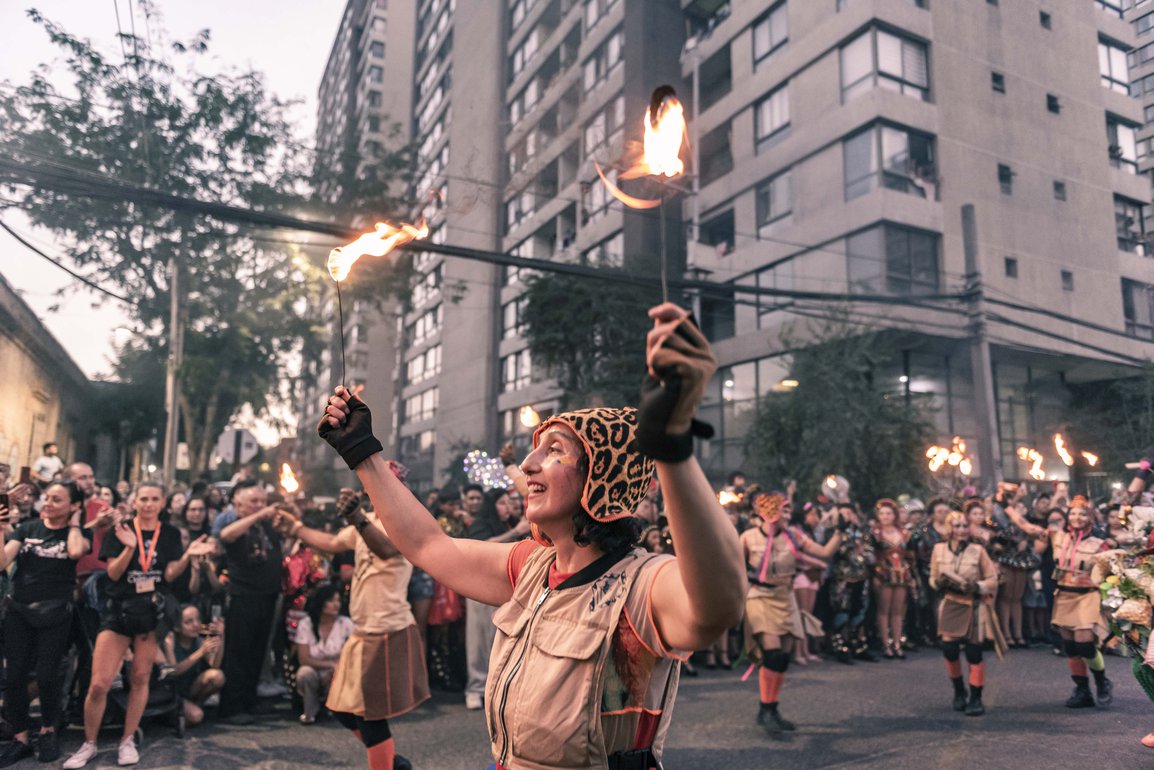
[(823, 551), (472, 568), (118, 566), (307, 659), (935, 570), (703, 594), (322, 541), (237, 529), (988, 583), (378, 542), (8, 551)]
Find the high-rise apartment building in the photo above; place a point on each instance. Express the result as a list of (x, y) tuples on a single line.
[(365, 91), (836, 145)]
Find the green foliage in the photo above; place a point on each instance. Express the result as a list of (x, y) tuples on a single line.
[(144, 117), (590, 335), (1114, 419), (838, 421)]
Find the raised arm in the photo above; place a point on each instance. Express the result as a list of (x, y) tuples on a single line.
[(811, 548), (471, 568), (703, 593), (237, 529)]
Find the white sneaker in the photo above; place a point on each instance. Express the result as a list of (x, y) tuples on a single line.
[(472, 701), (127, 753), (82, 756)]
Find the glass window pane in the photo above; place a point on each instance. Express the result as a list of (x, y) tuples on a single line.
[(889, 54), (914, 67), (895, 150), (860, 164), (864, 252), (856, 60)]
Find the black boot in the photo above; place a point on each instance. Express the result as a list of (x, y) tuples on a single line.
[(1081, 697), (862, 652), (841, 649), (975, 708), (771, 719), (959, 694), (1104, 687)]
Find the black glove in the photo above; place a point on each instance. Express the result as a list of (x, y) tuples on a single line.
[(354, 441), (670, 398), (843, 524)]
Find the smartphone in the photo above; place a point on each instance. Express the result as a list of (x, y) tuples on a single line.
[(25, 474), (4, 500)]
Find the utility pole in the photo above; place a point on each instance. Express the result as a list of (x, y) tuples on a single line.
[(989, 442), (172, 370)]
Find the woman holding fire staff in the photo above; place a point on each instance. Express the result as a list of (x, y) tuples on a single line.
[(1077, 601), (589, 627), (965, 575), (772, 619)]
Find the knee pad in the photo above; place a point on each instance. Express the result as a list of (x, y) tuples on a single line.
[(775, 660), (973, 654), (347, 720), (1085, 649), (1070, 647), (374, 731), (952, 650)]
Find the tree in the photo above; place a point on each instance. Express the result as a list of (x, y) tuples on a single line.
[(1115, 420), (590, 335), (153, 122), (839, 421)]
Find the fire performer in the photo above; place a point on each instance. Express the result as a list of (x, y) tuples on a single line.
[(1077, 600), (381, 672), (590, 628), (772, 618), (967, 578)]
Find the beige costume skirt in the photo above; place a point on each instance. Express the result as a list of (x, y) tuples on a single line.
[(1078, 612), (959, 620), (380, 676), (773, 611)]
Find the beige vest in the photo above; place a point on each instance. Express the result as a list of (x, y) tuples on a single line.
[(556, 697)]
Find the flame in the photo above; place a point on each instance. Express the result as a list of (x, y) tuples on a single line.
[(378, 243), (1091, 458), (1060, 445), (966, 467), (726, 496), (831, 482), (661, 147), (954, 455), (358, 390), (1035, 457), (529, 416), (288, 480)]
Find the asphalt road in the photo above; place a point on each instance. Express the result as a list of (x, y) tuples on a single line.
[(889, 715)]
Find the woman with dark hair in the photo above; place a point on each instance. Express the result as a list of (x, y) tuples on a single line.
[(38, 623), (142, 554), (173, 512), (195, 518), (321, 636), (589, 628), (108, 495)]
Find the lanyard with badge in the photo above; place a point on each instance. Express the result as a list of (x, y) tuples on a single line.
[(146, 584)]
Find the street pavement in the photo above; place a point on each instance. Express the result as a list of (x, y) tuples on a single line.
[(891, 714)]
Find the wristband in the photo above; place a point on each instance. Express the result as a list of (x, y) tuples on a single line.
[(361, 524)]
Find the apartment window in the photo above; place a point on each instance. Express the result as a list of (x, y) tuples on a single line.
[(716, 154), (1130, 225), (424, 366), (374, 98), (519, 207), (1144, 146), (516, 371), (1112, 66), (881, 59), (598, 66), (1142, 86), (426, 325), (774, 202), (426, 287), (513, 318), (1138, 308), (1148, 113), (377, 49), (523, 53), (894, 260), (1006, 179), (378, 24), (1052, 104), (1045, 20), (422, 406), (373, 123), (1113, 7), (720, 232), (376, 74), (1059, 190), (1144, 24), (1011, 267), (605, 125), (771, 118), (595, 10), (890, 157), (770, 33), (1067, 280), (1141, 56), (608, 253), (1122, 143), (998, 82)]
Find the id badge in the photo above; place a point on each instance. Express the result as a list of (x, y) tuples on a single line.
[(145, 585)]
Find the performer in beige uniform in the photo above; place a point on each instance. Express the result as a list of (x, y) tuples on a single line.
[(1077, 601), (381, 673), (580, 675), (965, 576), (772, 619)]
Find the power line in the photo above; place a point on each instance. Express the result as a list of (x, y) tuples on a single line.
[(87, 282), (1063, 338), (1060, 317)]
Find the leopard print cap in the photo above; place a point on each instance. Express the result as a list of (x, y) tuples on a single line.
[(619, 475)]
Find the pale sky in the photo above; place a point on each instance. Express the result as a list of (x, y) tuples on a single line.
[(287, 40)]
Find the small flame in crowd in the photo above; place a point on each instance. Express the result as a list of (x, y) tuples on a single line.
[(1033, 456), (661, 154), (953, 455), (728, 496), (383, 239), (1090, 458), (288, 480), (1060, 445)]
